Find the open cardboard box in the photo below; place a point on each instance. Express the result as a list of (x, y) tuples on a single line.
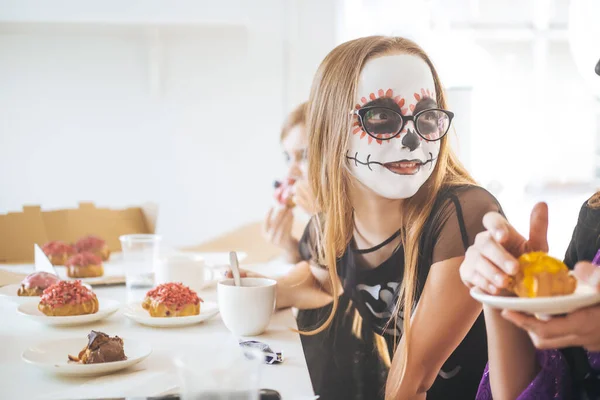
[(19, 231)]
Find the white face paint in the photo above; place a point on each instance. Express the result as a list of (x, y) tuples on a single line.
[(395, 168)]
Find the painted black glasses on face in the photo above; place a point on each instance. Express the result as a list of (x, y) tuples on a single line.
[(384, 123)]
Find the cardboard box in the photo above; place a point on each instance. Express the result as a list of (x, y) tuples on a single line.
[(19, 231)]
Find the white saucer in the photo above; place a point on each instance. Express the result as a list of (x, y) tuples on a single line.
[(107, 308), (9, 292), (584, 296), (52, 356), (134, 311)]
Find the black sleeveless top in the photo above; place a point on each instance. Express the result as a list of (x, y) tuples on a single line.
[(344, 366)]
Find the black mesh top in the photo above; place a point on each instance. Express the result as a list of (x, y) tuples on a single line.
[(343, 366)]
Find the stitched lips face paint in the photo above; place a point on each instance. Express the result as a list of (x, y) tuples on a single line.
[(395, 165)]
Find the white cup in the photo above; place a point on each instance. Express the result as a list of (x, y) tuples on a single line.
[(189, 269), (246, 310)]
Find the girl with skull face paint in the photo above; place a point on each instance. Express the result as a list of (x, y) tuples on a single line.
[(398, 213)]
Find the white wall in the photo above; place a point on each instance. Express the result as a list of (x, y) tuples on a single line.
[(136, 107), (311, 34), (126, 101)]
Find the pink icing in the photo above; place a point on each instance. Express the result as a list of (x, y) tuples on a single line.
[(174, 294), (66, 292), (83, 260), (90, 243), (40, 280), (57, 247)]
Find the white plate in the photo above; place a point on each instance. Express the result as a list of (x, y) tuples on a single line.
[(107, 308), (9, 292), (134, 311), (584, 296), (52, 356)]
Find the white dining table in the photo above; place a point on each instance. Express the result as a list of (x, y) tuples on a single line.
[(154, 376)]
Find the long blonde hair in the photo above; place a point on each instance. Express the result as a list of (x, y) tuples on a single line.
[(333, 95), (294, 118)]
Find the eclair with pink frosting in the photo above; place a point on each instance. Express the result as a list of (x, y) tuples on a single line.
[(35, 284)]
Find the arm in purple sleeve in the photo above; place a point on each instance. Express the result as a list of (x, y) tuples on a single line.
[(551, 383)]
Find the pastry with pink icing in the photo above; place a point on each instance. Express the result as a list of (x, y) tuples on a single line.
[(84, 265), (284, 192), (58, 252), (172, 300), (35, 284), (67, 298), (93, 244)]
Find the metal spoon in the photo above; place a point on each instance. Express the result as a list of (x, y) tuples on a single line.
[(235, 268)]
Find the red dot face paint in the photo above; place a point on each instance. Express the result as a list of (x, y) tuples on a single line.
[(386, 99)]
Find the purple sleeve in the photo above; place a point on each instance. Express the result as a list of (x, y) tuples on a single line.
[(550, 383), (594, 359)]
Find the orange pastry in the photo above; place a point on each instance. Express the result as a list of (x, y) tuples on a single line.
[(172, 300), (35, 284), (542, 276), (58, 251), (93, 244), (84, 265), (68, 298)]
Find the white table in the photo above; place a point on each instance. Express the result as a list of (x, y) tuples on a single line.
[(155, 375)]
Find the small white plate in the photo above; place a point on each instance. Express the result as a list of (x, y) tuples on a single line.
[(107, 308), (134, 311), (9, 292), (583, 296), (52, 356)]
